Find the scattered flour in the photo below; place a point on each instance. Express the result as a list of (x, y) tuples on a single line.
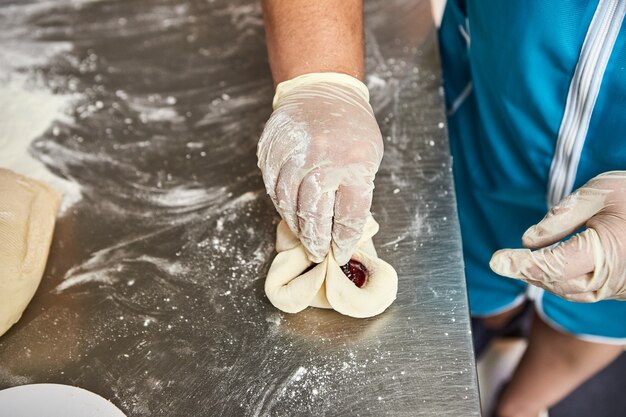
[(26, 113)]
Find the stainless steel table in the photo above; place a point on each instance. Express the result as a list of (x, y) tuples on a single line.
[(153, 295)]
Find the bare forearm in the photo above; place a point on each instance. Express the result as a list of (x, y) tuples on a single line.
[(305, 36)]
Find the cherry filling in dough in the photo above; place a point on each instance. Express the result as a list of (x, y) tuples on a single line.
[(356, 272)]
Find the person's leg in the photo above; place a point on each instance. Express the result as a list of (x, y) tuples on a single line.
[(553, 365), (498, 321), (508, 323), (513, 322)]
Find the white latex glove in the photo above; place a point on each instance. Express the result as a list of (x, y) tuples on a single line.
[(588, 267), (318, 154)]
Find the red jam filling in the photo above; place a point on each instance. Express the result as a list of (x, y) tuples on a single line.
[(356, 272)]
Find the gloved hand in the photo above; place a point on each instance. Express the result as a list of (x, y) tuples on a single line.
[(318, 154), (588, 267)]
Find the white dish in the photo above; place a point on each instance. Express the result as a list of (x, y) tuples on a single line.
[(54, 400)]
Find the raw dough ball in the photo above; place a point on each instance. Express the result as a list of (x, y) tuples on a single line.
[(294, 283), (27, 214)]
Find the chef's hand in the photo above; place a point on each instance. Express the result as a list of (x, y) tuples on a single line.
[(318, 154), (588, 267)]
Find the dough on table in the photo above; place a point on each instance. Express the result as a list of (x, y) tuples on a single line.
[(27, 214), (294, 283)]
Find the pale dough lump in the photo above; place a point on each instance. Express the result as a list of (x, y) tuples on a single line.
[(291, 288), (27, 215)]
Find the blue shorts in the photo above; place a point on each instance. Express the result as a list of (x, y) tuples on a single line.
[(512, 75)]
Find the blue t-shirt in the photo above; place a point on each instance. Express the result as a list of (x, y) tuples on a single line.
[(536, 98)]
